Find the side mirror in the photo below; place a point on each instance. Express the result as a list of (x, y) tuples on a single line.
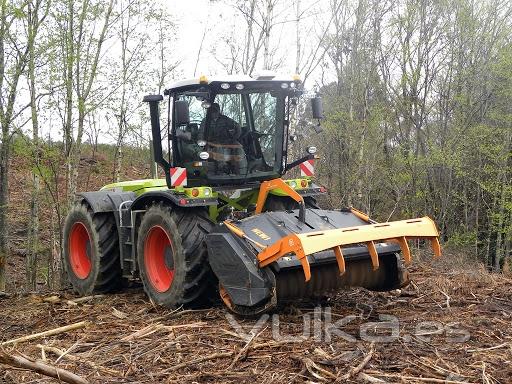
[(317, 108), (182, 115)]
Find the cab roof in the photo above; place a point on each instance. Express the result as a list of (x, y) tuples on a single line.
[(266, 76)]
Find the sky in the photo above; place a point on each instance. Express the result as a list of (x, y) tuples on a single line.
[(192, 17), (220, 19)]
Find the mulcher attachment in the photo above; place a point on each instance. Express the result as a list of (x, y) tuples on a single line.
[(276, 257)]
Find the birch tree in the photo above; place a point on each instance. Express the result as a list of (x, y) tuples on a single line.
[(15, 48), (35, 18)]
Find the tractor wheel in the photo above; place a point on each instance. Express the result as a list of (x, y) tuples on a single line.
[(91, 251), (172, 256)]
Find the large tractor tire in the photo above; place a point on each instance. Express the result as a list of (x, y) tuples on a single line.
[(172, 256), (91, 251)]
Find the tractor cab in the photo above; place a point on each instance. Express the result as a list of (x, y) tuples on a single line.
[(229, 130)]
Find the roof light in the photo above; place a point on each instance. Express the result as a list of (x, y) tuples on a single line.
[(264, 75), (296, 77), (284, 85), (239, 86), (203, 79), (224, 86)]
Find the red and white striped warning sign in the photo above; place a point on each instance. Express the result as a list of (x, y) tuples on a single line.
[(178, 177), (307, 168)]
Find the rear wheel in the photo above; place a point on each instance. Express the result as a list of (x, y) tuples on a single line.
[(91, 251), (172, 255)]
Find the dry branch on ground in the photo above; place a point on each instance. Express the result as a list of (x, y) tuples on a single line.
[(129, 340)]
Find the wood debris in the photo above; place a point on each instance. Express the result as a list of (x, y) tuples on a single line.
[(455, 326)]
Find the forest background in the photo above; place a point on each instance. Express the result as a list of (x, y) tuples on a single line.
[(417, 97)]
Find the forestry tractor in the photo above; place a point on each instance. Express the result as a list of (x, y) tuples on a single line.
[(223, 221)]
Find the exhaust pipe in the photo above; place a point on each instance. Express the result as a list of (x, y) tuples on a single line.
[(154, 113)]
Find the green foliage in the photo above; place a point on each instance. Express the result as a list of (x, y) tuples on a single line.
[(435, 136), (462, 239)]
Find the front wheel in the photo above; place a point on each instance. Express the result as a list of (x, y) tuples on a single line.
[(172, 256)]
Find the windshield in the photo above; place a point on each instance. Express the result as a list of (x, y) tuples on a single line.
[(241, 132)]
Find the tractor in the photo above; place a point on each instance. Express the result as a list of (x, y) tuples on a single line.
[(224, 223)]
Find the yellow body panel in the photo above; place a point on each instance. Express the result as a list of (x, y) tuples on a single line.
[(308, 243), (319, 241)]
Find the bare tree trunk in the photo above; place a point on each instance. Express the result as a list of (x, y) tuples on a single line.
[(297, 37), (33, 240), (84, 80), (9, 81), (68, 79), (4, 154), (4, 169), (267, 26), (76, 152)]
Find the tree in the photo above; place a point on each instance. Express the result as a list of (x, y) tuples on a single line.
[(132, 73), (256, 48), (418, 116), (86, 60), (14, 56), (34, 22)]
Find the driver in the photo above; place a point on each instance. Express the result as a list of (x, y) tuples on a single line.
[(222, 129), (225, 149)]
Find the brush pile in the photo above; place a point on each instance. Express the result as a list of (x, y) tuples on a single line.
[(453, 324)]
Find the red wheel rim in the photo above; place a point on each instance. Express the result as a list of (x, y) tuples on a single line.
[(79, 250), (158, 258)]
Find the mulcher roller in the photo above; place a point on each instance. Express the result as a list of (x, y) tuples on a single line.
[(278, 257)]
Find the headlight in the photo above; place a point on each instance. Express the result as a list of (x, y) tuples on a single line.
[(204, 155), (293, 184), (311, 150), (206, 192)]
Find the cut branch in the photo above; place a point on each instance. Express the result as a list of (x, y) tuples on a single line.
[(43, 369), (50, 332)]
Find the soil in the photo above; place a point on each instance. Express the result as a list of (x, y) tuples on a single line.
[(452, 324)]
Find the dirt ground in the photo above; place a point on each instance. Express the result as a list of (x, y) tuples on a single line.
[(453, 324)]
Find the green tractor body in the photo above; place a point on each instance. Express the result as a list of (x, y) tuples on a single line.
[(223, 220)]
